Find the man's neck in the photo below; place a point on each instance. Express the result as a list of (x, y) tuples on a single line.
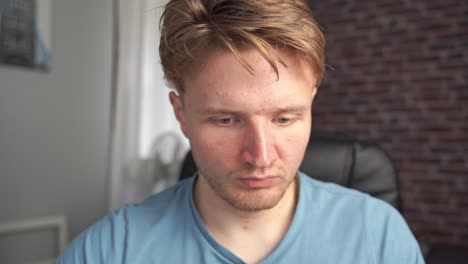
[(249, 235)]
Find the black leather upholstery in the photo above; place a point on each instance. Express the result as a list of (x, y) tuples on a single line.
[(347, 162), (352, 163)]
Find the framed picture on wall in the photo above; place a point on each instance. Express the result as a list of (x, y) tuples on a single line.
[(25, 35)]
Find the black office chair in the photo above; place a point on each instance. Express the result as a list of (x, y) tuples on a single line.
[(348, 162)]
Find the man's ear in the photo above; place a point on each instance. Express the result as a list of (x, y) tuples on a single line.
[(178, 107), (314, 92)]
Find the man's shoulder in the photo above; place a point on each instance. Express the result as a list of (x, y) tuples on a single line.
[(164, 207), (379, 227), (330, 190), (129, 226), (176, 193), (345, 201)]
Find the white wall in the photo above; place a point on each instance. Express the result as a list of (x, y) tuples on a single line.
[(54, 127)]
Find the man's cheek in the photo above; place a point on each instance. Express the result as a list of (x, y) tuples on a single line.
[(214, 151)]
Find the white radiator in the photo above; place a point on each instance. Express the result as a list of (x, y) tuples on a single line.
[(59, 223)]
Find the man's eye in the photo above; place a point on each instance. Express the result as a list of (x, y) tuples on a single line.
[(284, 120), (223, 121)]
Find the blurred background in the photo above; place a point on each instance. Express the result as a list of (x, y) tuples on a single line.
[(398, 76), (95, 130)]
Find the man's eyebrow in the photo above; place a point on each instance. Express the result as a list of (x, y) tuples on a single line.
[(280, 110), (217, 111), (293, 109)]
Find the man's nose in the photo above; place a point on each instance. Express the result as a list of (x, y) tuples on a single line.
[(259, 148)]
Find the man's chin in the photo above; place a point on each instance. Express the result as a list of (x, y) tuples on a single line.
[(252, 207), (253, 200)]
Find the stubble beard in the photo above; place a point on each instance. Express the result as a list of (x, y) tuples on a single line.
[(248, 200)]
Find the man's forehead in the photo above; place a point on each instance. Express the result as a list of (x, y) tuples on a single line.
[(211, 68)]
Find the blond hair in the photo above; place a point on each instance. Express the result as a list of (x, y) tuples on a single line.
[(191, 27)]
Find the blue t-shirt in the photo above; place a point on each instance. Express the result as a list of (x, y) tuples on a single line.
[(331, 224)]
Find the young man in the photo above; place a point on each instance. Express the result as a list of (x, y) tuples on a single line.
[(245, 74)]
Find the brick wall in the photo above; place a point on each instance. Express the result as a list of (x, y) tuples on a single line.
[(400, 78)]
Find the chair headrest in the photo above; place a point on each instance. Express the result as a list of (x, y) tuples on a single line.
[(352, 163)]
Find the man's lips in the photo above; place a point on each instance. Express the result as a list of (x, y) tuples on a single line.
[(259, 182)]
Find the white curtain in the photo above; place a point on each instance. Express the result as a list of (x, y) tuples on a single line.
[(147, 146)]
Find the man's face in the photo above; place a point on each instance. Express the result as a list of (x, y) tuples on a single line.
[(248, 133)]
